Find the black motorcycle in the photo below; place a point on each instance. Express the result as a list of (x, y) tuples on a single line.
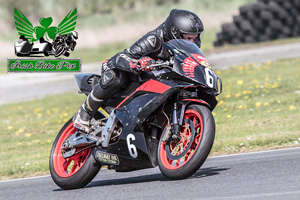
[(163, 119), (63, 44)]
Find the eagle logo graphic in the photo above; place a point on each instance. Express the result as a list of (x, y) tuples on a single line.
[(24, 26), (63, 36)]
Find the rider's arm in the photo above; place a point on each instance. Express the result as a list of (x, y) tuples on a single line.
[(149, 45)]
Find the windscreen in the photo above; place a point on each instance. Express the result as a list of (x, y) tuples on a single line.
[(186, 46)]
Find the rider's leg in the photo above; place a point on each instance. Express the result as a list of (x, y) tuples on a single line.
[(108, 85)]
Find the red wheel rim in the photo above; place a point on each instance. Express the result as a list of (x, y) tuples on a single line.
[(69, 166), (196, 118)]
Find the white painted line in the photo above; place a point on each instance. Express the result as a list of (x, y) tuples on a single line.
[(257, 152), (23, 179)]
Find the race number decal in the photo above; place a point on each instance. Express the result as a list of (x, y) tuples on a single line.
[(131, 147), (209, 77)]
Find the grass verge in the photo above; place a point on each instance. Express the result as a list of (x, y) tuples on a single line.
[(259, 109), (28, 131), (3, 66)]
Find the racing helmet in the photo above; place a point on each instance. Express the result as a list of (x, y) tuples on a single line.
[(182, 21), (75, 35)]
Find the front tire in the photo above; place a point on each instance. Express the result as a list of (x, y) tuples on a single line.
[(76, 171), (59, 50), (179, 160)]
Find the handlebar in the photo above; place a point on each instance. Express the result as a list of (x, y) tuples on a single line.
[(157, 65)]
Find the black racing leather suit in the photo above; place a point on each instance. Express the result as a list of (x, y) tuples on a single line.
[(149, 45), (116, 71)]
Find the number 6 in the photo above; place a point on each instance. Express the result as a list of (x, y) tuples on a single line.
[(131, 147), (209, 77)]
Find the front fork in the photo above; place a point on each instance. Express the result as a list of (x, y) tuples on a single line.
[(175, 127), (173, 132)]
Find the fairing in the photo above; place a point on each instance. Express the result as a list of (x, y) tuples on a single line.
[(190, 63)]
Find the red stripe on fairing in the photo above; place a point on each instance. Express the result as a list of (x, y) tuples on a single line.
[(196, 100), (153, 86), (149, 86), (124, 100)]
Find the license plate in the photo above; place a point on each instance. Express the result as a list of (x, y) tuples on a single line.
[(107, 158)]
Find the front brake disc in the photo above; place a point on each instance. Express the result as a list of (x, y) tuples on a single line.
[(176, 157)]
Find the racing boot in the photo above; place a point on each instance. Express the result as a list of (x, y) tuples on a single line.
[(108, 85), (89, 107)]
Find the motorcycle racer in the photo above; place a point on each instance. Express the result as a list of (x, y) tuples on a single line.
[(116, 72), (63, 43)]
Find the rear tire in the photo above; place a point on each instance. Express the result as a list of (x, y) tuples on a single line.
[(194, 157), (76, 171)]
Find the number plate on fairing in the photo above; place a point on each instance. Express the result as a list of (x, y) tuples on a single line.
[(107, 158)]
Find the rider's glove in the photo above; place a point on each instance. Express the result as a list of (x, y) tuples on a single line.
[(104, 66), (142, 64)]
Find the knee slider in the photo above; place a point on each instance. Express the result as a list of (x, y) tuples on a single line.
[(109, 79), (108, 85)]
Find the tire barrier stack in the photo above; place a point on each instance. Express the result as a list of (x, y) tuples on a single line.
[(261, 21)]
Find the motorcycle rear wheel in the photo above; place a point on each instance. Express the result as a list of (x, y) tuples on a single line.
[(179, 160), (76, 171)]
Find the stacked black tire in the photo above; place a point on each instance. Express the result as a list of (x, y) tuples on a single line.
[(262, 21)]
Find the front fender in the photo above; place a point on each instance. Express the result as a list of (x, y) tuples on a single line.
[(186, 102), (197, 101)]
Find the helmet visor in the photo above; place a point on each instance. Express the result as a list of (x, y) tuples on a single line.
[(190, 37)]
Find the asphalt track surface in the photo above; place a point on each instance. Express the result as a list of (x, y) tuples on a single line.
[(18, 87), (268, 175)]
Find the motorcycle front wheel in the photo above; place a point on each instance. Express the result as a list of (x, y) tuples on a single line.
[(59, 50), (76, 171), (181, 159)]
